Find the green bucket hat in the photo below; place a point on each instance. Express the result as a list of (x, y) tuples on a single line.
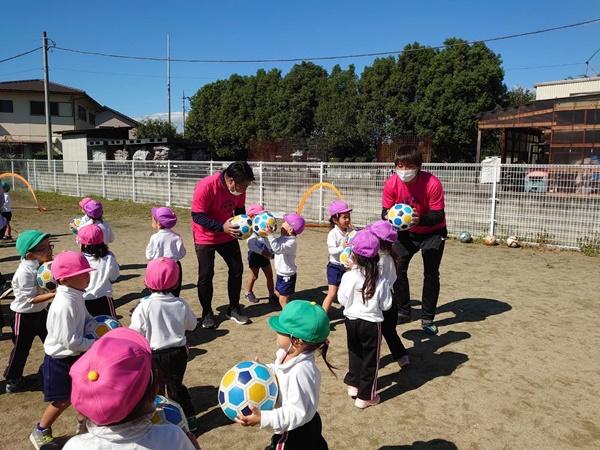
[(28, 239), (302, 319)]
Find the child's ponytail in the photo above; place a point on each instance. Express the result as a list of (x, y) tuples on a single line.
[(370, 269), (324, 347)]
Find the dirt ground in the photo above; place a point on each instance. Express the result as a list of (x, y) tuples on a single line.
[(515, 365)]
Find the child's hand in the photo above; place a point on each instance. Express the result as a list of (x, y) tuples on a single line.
[(251, 420), (266, 253)]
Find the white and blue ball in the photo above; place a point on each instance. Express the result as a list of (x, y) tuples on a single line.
[(169, 411), (244, 224), (262, 223), (400, 216), (44, 278), (99, 326)]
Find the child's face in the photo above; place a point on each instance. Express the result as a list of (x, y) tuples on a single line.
[(42, 252), (344, 221), (283, 341), (286, 229), (79, 282)]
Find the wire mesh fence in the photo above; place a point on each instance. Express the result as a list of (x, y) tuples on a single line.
[(541, 204)]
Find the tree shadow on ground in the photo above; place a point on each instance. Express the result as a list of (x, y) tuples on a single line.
[(434, 444), (204, 399)]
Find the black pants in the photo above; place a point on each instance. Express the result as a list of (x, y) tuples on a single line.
[(25, 326), (306, 437), (170, 365), (8, 216), (388, 329), (230, 252), (364, 343), (432, 248), (102, 306), (177, 289)]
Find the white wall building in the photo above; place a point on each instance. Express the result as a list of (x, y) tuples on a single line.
[(567, 88)]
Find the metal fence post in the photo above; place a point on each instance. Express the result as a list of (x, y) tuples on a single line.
[(211, 166), (168, 182), (321, 192), (54, 175), (494, 195), (133, 180), (12, 170), (260, 183), (35, 178), (28, 178), (77, 178), (103, 179)]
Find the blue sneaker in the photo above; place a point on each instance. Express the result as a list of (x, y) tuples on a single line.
[(430, 329)]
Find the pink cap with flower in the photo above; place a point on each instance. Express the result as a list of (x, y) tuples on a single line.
[(90, 235), (365, 244), (69, 264), (384, 231), (162, 274), (110, 379)]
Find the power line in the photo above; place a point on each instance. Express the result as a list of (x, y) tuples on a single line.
[(140, 75), (322, 58), (545, 67), (20, 54)]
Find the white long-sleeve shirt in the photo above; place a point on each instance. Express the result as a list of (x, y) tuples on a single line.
[(350, 297), (101, 279), (7, 206), (163, 320), (257, 244), (66, 321), (104, 226), (165, 242), (387, 268), (335, 243), (137, 434), (299, 381), (284, 249), (25, 288)]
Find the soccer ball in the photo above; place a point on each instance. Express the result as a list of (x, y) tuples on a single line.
[(44, 277), (74, 224), (400, 216), (245, 385), (169, 411), (262, 222), (346, 256), (512, 242), (465, 237), (99, 326), (245, 225), (490, 240)]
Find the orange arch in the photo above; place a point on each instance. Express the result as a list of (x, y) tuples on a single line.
[(312, 189), (26, 183)]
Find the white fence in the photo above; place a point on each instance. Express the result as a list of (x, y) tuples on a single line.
[(549, 204)]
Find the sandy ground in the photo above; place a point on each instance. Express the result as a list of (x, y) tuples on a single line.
[(515, 366)]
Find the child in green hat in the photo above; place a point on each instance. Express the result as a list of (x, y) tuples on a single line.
[(29, 304), (302, 328)]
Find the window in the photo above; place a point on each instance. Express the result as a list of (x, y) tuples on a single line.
[(65, 109), (92, 118), (6, 106), (36, 108), (81, 113)]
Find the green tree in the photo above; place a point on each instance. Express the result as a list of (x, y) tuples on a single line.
[(155, 128), (519, 96)]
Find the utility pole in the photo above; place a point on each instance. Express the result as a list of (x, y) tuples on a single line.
[(46, 98), (183, 109), (169, 75)]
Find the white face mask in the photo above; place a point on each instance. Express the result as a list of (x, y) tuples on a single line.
[(236, 193), (406, 175)]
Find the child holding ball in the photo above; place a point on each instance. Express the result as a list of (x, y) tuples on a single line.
[(259, 258), (337, 240), (302, 329), (94, 214)]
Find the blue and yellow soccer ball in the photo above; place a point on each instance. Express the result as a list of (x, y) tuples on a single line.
[(74, 224), (99, 326), (44, 278), (169, 411), (245, 225), (346, 256), (247, 384), (262, 223), (400, 216)]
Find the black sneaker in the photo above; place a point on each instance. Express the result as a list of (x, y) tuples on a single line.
[(208, 320), (403, 318), (236, 315), (13, 386), (430, 328)]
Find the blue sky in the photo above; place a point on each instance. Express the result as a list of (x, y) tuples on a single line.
[(274, 29)]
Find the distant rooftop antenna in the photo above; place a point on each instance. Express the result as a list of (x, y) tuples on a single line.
[(587, 63)]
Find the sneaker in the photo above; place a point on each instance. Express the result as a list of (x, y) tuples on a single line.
[(352, 391), (403, 318), (81, 427), (362, 404), (430, 329), (6, 291), (251, 297), (13, 386), (193, 423), (236, 315), (208, 320), (404, 361), (43, 439)]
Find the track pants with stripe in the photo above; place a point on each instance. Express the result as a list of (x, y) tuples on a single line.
[(25, 326), (102, 306), (364, 344), (306, 437)]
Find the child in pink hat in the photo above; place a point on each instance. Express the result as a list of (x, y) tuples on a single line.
[(259, 258), (114, 389), (284, 248), (163, 319), (166, 242), (364, 294), (65, 341), (94, 214), (387, 235), (340, 224), (98, 295)]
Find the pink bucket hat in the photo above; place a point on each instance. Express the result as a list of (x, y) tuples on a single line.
[(90, 235), (164, 216), (255, 209), (69, 264), (296, 221), (162, 274), (338, 207), (110, 379), (83, 201), (93, 209), (384, 231), (365, 244)]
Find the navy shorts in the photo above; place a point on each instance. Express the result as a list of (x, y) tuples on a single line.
[(57, 381), (335, 273), (257, 261), (286, 285)]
